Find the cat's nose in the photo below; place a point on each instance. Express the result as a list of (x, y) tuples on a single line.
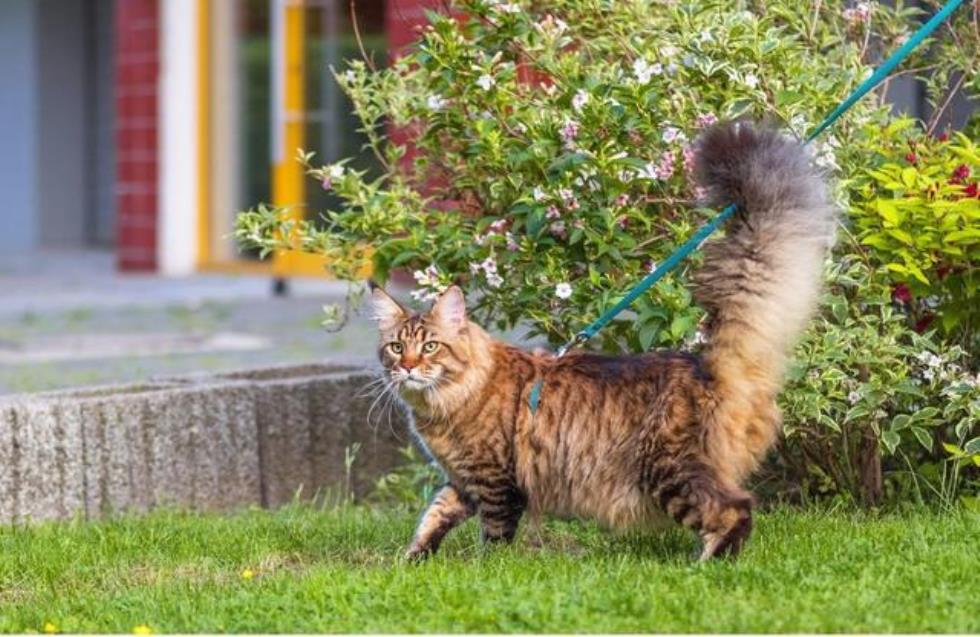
[(408, 365)]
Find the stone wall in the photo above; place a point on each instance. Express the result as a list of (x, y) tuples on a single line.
[(214, 442)]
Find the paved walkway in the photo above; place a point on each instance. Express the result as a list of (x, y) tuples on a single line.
[(68, 319)]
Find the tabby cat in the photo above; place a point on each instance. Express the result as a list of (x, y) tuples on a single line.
[(626, 439)]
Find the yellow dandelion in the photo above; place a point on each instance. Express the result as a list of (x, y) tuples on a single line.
[(142, 629), (248, 574), (50, 628)]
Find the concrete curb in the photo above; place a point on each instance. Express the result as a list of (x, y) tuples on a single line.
[(209, 442)]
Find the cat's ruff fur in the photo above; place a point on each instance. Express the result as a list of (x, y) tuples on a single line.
[(626, 439)]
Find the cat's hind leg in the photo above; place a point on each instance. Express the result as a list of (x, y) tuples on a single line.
[(447, 509), (721, 515)]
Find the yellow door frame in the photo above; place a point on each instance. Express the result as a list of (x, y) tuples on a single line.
[(288, 134)]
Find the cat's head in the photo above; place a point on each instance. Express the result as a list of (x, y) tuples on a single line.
[(424, 351)]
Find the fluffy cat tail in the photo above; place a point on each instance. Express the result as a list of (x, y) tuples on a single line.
[(760, 282)]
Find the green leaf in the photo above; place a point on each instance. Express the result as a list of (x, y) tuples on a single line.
[(923, 437), (891, 440), (908, 176), (647, 333), (927, 413), (972, 446), (900, 422), (566, 162)]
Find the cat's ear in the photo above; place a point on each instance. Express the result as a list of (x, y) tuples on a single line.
[(384, 309), (450, 308)]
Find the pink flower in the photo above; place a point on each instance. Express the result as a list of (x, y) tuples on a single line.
[(662, 170), (578, 223), (706, 119), (622, 200), (512, 244), (558, 229), (622, 221), (553, 212), (569, 131), (689, 158), (498, 225)]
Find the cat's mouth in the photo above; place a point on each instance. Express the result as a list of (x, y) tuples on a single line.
[(413, 383), (416, 384)]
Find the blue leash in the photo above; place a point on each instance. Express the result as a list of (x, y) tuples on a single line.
[(692, 244)]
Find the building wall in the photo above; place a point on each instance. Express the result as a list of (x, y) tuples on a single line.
[(64, 112), (18, 113), (137, 60)]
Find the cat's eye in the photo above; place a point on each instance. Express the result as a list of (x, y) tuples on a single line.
[(396, 348), (429, 346)]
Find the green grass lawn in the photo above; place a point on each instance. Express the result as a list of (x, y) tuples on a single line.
[(304, 569)]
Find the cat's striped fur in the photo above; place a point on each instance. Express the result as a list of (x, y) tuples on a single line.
[(627, 439)]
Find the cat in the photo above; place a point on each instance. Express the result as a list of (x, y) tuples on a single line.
[(627, 439)]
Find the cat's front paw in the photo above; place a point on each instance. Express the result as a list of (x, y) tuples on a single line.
[(418, 553)]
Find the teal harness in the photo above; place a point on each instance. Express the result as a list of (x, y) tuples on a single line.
[(698, 237)]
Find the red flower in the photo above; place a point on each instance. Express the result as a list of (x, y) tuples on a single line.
[(960, 173), (943, 137), (923, 323), (911, 158), (972, 190), (902, 294)]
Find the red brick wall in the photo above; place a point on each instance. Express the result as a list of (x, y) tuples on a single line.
[(137, 68)]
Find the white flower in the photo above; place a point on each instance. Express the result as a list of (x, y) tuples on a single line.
[(494, 280), (507, 7), (860, 13), (489, 265), (853, 397), (580, 99), (751, 80), (539, 193), (435, 102), (331, 174), (643, 70), (699, 338), (350, 76), (427, 277), (705, 36), (486, 82), (669, 51), (671, 134), (424, 296), (551, 26), (929, 359), (563, 290)]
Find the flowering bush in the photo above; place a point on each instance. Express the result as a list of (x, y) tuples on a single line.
[(871, 405), (544, 152), (919, 209)]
